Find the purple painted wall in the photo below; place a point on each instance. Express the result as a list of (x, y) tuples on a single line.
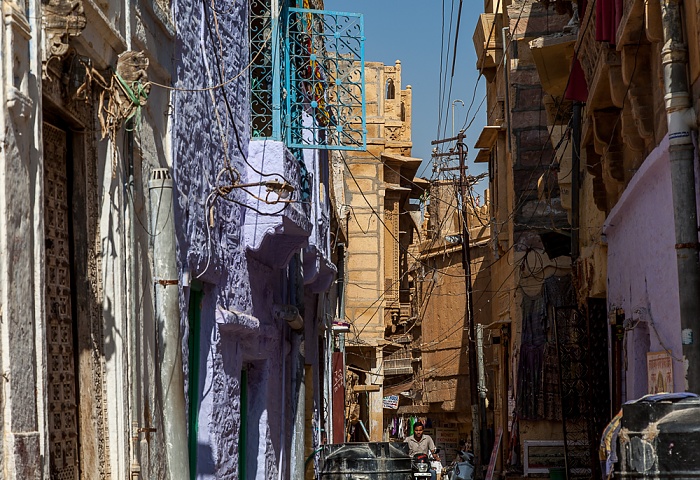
[(642, 272), (239, 257)]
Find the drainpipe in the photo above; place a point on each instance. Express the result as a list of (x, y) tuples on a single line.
[(681, 124), (167, 312), (132, 300), (482, 388), (341, 295)]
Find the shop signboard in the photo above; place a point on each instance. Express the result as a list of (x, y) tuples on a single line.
[(391, 402), (447, 440)]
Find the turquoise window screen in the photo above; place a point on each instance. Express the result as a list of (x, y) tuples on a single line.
[(307, 77)]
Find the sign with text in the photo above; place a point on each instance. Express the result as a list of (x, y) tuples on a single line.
[(447, 440), (391, 402), (659, 372)]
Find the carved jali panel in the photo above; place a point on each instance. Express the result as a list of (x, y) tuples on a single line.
[(62, 405)]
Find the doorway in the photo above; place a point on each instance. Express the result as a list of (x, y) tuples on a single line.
[(61, 328)]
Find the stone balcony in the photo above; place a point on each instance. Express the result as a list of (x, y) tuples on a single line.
[(273, 232), (620, 127), (488, 43)]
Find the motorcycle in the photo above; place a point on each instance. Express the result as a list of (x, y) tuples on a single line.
[(462, 468), (422, 464)]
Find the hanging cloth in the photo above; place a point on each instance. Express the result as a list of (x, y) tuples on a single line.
[(608, 14)]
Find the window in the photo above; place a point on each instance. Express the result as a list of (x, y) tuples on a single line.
[(307, 77), (390, 89), (261, 71)]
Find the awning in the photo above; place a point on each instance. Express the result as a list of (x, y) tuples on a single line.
[(487, 137)]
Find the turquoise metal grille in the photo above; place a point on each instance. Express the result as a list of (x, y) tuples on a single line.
[(262, 38), (325, 80)]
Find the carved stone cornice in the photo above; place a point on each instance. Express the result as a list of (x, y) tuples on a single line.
[(15, 18), (61, 20)]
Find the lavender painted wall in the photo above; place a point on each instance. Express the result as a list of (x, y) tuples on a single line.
[(642, 271), (240, 252), (233, 332)]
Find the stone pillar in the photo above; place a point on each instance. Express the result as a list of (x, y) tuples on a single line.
[(21, 214), (376, 408)]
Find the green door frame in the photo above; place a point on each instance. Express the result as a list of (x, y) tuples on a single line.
[(243, 433), (194, 316)]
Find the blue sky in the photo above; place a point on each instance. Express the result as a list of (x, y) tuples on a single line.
[(411, 31)]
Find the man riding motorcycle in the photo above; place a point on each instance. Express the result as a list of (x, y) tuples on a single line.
[(422, 444)]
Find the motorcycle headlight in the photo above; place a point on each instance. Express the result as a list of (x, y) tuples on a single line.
[(422, 467)]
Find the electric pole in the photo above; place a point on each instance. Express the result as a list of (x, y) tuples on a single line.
[(474, 397)]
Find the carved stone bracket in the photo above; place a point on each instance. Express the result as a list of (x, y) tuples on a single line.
[(61, 19), (594, 166), (608, 142), (636, 70), (19, 104), (631, 25), (629, 90)]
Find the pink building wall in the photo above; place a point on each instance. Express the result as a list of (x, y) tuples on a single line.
[(642, 271)]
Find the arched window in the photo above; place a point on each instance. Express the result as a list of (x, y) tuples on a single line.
[(390, 89), (403, 112)]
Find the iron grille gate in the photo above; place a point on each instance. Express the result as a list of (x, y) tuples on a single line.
[(325, 80), (571, 335), (62, 415)]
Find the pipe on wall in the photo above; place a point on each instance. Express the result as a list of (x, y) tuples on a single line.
[(682, 124), (167, 313), (132, 288)]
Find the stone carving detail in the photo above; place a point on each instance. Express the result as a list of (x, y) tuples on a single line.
[(62, 19), (395, 133), (96, 323), (594, 166)]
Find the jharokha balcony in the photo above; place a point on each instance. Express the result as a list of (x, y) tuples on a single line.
[(619, 63)]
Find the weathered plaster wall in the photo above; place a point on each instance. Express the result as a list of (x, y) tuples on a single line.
[(642, 271), (209, 237), (241, 255)]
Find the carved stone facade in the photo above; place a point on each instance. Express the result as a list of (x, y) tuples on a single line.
[(376, 187), (69, 326)]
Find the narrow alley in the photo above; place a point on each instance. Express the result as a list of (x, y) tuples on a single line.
[(333, 240)]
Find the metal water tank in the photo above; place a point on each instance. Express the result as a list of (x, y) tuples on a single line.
[(660, 439), (365, 461)]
